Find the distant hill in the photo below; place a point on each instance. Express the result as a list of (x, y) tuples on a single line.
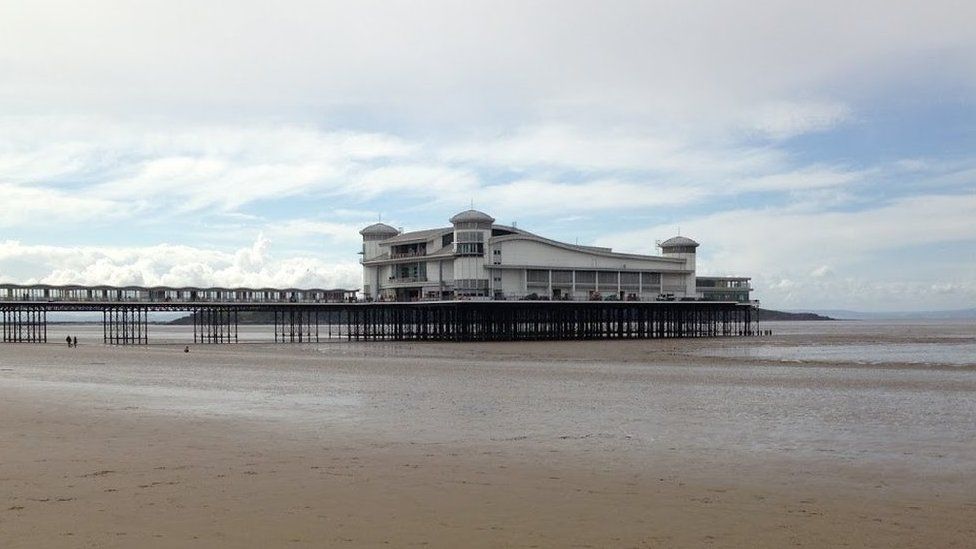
[(957, 314), (768, 314), (264, 317)]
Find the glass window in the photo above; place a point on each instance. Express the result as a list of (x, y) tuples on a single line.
[(651, 279), (585, 277), (562, 277), (469, 248), (470, 236)]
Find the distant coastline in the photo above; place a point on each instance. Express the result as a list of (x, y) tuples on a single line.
[(769, 314)]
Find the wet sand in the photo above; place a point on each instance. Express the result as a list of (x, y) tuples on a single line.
[(587, 444)]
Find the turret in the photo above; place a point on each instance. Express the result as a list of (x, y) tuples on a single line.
[(683, 247), (472, 229), (372, 236)]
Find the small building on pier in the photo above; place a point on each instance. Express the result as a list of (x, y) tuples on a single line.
[(475, 257)]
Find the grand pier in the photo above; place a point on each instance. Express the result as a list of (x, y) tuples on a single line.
[(310, 315)]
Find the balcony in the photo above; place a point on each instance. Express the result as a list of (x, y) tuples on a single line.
[(739, 288), (401, 255), (407, 279)]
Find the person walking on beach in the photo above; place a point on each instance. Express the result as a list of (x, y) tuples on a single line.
[(68, 339), (76, 342)]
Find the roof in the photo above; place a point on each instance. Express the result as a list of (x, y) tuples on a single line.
[(472, 216), (679, 241), (417, 236), (605, 252), (379, 229)]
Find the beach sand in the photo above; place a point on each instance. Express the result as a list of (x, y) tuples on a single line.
[(571, 444)]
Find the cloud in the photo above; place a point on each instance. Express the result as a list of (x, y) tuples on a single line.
[(822, 271), (787, 252), (83, 167), (808, 177), (336, 233), (442, 61), (122, 123), (28, 206), (782, 120), (588, 149), (547, 197), (168, 265)]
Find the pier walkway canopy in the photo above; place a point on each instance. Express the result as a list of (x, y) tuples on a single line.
[(166, 294)]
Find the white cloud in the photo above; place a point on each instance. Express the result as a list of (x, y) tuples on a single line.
[(336, 233), (254, 266), (30, 206), (82, 167), (787, 252), (588, 149), (810, 177), (184, 116), (547, 198), (443, 61), (782, 120), (822, 271)]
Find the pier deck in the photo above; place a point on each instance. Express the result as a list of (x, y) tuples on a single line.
[(218, 321)]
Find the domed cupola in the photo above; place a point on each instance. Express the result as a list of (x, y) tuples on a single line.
[(679, 245), (378, 231), (472, 216)]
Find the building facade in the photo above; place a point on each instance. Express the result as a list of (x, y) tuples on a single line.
[(476, 258)]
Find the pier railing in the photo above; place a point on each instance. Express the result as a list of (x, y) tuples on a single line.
[(44, 293)]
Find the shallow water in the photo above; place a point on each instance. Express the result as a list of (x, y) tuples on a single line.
[(960, 354)]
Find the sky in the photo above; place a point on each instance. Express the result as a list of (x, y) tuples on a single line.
[(826, 149)]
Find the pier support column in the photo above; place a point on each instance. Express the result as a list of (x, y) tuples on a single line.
[(24, 324), (125, 325)]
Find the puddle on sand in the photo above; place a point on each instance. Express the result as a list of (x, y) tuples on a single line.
[(961, 354)]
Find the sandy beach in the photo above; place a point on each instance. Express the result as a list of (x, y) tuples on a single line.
[(572, 444)]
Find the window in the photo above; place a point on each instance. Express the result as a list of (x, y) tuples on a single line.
[(534, 276), (472, 225), (409, 250), (585, 278), (651, 279), (562, 277), (447, 239), (469, 248), (470, 236)]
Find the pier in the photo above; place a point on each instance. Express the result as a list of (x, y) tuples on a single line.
[(308, 316)]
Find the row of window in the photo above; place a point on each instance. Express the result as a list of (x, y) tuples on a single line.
[(471, 284), (540, 276)]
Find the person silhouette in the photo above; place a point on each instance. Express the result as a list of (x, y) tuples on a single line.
[(75, 341), (68, 339)]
